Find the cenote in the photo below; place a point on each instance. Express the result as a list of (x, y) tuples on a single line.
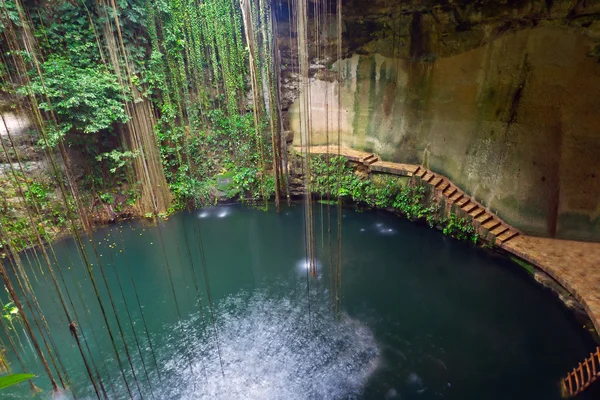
[(440, 158), (422, 316)]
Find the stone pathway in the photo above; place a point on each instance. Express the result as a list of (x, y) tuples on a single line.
[(575, 265)]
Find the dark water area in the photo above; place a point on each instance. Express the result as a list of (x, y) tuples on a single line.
[(423, 316)]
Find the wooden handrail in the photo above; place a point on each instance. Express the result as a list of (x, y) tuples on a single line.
[(583, 377)]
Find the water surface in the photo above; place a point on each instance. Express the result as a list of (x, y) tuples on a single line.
[(423, 316)]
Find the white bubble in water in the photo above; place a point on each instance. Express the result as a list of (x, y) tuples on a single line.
[(414, 379), (61, 394), (269, 351)]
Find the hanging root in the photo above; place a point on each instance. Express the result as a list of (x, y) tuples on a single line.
[(73, 330), (34, 389)]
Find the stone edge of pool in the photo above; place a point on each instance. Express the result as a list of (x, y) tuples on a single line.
[(572, 264)]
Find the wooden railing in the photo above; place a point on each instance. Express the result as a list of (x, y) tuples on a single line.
[(583, 376)]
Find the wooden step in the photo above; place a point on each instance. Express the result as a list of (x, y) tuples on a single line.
[(499, 230), (428, 177), (506, 236), (444, 186), (463, 202), (421, 172), (483, 218), (469, 207), (477, 212), (435, 182), (490, 225), (370, 159), (457, 196), (450, 191)]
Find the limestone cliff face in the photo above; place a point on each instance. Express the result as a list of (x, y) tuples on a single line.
[(502, 97)]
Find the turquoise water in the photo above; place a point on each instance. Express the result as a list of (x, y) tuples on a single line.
[(423, 316)]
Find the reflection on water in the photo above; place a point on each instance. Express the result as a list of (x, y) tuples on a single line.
[(384, 229), (304, 264), (215, 212)]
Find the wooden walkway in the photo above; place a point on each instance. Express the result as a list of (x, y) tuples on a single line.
[(485, 221), (575, 265), (581, 378)]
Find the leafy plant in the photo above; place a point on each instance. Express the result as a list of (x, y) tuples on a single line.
[(37, 193), (194, 161), (13, 379), (459, 228), (118, 159), (10, 311), (85, 99), (337, 178), (107, 198)]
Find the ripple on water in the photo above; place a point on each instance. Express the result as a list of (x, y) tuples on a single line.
[(269, 352)]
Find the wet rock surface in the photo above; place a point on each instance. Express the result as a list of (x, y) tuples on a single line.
[(500, 96)]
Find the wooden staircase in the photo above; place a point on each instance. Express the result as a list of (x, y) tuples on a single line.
[(581, 378), (370, 159), (480, 216), (483, 219)]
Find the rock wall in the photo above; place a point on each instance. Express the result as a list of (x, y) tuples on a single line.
[(502, 99)]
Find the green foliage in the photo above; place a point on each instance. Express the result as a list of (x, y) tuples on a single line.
[(51, 221), (17, 231), (74, 29), (337, 178), (459, 228), (247, 180), (13, 379), (118, 159), (196, 47), (8, 9), (253, 184), (37, 193), (14, 217), (228, 145), (88, 103), (197, 75), (525, 265), (188, 58), (86, 100), (107, 198), (10, 311), (66, 29)]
